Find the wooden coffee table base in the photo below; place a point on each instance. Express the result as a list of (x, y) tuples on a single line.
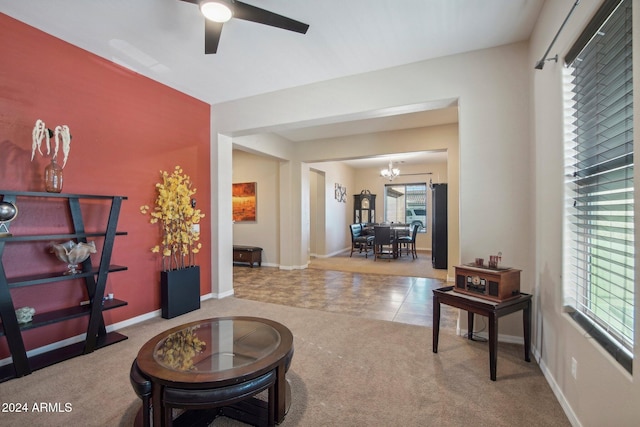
[(252, 411)]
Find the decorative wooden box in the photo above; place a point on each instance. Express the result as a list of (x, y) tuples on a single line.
[(249, 254), (496, 284)]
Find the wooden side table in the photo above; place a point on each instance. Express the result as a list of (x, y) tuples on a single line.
[(492, 310), (249, 254)]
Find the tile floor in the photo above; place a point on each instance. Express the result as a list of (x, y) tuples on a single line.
[(393, 298)]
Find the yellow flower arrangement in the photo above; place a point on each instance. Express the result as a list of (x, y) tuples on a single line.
[(179, 349), (175, 210)]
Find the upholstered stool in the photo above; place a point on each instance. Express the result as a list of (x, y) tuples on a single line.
[(142, 386), (287, 398), (219, 397)]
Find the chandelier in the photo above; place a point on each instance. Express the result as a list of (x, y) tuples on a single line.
[(390, 173)]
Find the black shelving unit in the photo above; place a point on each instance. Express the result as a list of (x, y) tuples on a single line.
[(439, 235), (94, 278)]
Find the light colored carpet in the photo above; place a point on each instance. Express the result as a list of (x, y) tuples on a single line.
[(402, 266), (346, 371)]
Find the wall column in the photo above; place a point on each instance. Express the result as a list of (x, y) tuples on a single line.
[(294, 215), (222, 214)]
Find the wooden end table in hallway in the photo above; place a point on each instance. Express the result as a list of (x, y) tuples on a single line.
[(492, 310)]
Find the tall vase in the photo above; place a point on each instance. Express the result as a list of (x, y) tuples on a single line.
[(53, 177), (179, 291)]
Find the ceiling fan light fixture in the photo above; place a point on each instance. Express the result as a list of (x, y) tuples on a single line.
[(216, 10)]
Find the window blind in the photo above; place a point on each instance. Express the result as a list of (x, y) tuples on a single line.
[(599, 207)]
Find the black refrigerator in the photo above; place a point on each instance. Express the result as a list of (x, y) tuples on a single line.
[(439, 226)]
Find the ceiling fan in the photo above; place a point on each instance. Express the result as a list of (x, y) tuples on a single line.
[(217, 12)]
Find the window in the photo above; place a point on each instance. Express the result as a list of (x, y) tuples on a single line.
[(598, 279), (406, 203)]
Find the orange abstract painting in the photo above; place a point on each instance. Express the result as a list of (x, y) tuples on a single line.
[(244, 202)]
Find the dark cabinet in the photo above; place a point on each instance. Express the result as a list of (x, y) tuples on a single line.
[(93, 277), (364, 208), (439, 246)]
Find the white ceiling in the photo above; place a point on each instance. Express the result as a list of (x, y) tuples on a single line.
[(398, 160), (164, 40)]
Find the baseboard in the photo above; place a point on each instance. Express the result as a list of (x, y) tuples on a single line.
[(510, 339), (49, 347), (282, 267), (293, 267), (141, 318), (573, 419), (110, 328), (334, 253), (571, 416), (348, 249), (226, 294)]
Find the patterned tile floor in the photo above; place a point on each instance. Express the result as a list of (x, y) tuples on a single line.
[(394, 298)]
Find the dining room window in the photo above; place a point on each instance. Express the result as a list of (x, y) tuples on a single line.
[(406, 204)]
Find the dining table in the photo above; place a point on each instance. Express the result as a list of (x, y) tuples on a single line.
[(397, 230)]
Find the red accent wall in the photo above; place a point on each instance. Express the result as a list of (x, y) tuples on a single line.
[(126, 128)]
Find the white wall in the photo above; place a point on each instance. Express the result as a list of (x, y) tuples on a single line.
[(316, 193), (433, 138), (335, 233), (510, 181), (333, 236), (603, 393), (329, 218), (370, 179), (264, 232), (293, 215), (492, 90)]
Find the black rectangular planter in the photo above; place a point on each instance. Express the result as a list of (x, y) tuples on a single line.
[(180, 291)]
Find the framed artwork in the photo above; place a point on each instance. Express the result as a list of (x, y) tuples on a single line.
[(340, 193), (244, 201)]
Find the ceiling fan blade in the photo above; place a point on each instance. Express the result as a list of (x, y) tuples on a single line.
[(192, 1), (255, 14), (212, 31)]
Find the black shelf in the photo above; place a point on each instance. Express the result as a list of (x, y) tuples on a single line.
[(66, 236), (59, 195), (439, 238), (61, 354), (55, 316), (38, 279), (93, 277)]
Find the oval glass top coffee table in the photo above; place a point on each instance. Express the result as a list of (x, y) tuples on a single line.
[(217, 363)]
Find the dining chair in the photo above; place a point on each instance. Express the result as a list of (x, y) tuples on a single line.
[(359, 240), (383, 243), (409, 242)]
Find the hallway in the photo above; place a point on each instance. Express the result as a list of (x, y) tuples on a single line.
[(393, 298)]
